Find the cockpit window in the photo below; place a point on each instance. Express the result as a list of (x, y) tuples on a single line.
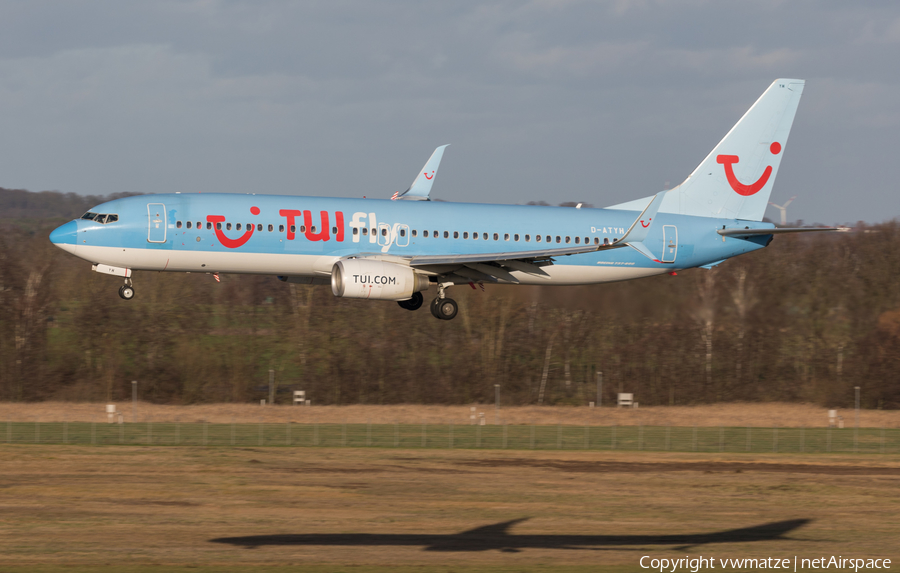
[(102, 218)]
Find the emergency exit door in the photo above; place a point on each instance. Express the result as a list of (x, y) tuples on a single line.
[(670, 243), (156, 215)]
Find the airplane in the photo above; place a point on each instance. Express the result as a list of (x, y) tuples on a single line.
[(497, 537), (396, 250)]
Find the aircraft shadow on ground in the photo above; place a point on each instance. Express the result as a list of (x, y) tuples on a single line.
[(498, 537)]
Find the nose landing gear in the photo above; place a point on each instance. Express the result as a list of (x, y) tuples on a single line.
[(126, 291)]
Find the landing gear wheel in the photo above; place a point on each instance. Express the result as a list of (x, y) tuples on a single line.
[(434, 305), (415, 303), (126, 292), (444, 308)]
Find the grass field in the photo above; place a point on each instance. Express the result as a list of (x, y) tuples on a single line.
[(450, 436), (152, 508)]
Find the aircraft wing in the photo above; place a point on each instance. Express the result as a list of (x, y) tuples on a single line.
[(496, 267), (544, 254)]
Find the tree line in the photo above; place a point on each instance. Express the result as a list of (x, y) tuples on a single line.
[(806, 319)]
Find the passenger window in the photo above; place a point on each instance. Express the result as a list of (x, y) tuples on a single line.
[(446, 234), (178, 224), (355, 231), (557, 239), (577, 240), (568, 240), (209, 226), (455, 234), (303, 229), (587, 240), (293, 228), (188, 224), (199, 225), (237, 227), (413, 233), (506, 236), (537, 238), (548, 238), (271, 228), (424, 234), (527, 238), (465, 235), (334, 230), (365, 230), (219, 226), (402, 232), (383, 231), (434, 234), (485, 236), (281, 228), (227, 226), (596, 240)]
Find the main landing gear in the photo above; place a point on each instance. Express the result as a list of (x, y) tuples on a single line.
[(441, 307), (126, 291), (444, 308)]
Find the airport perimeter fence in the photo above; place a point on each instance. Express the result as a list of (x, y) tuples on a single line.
[(432, 435)]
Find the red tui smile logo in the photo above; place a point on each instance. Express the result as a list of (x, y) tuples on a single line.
[(231, 243), (728, 162)]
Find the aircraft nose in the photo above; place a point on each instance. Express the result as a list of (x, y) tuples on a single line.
[(65, 234)]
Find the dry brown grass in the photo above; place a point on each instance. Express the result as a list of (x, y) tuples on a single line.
[(759, 415), (161, 507)]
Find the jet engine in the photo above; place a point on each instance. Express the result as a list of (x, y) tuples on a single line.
[(373, 279)]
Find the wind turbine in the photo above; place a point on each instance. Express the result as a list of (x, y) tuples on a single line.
[(783, 209)]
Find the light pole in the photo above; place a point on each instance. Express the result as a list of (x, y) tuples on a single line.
[(134, 400), (856, 429), (497, 402), (599, 388)]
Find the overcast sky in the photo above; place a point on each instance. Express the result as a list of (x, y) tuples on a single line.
[(553, 100)]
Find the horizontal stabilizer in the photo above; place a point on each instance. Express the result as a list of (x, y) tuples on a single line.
[(775, 231)]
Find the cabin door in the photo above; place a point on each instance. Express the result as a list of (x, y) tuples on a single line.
[(670, 243), (156, 215)]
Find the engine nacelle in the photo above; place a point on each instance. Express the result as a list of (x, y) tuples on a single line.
[(380, 280)]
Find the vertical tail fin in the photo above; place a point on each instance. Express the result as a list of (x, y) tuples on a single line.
[(736, 178)]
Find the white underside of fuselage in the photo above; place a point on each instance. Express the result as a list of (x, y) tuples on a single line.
[(314, 265)]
